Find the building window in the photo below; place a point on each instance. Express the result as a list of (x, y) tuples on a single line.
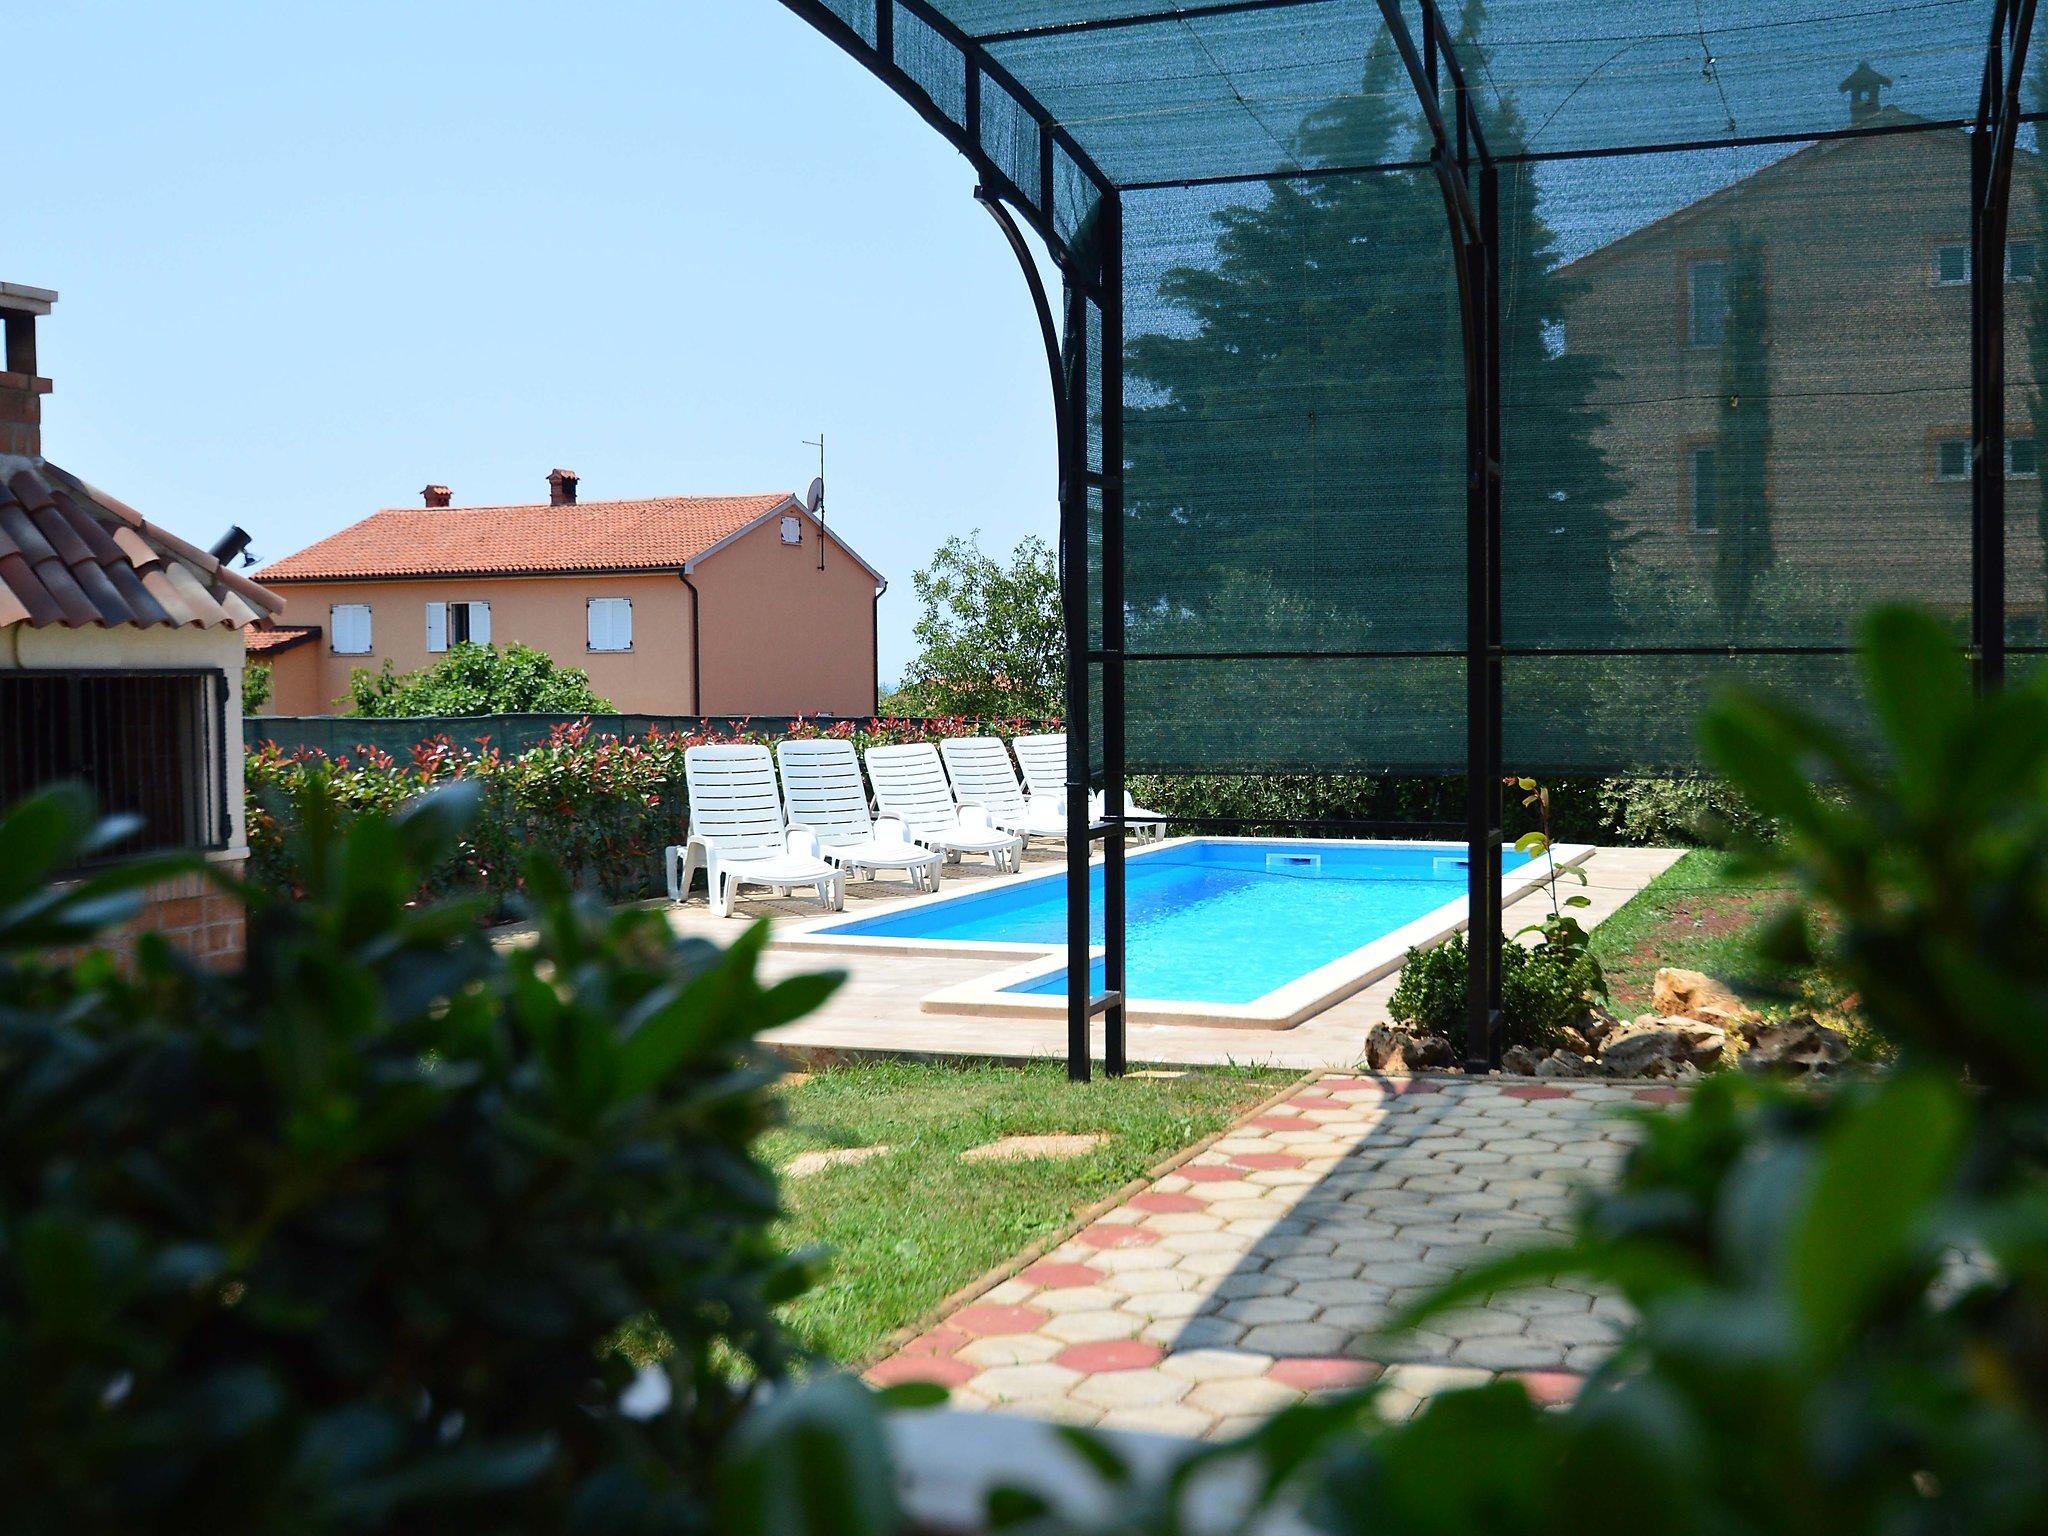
[(1952, 458), (611, 623), (147, 744), (1703, 489), (453, 623), (1706, 308), (348, 628), (2021, 460), (1952, 263)]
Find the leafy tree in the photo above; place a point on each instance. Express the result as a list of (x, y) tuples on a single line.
[(341, 1241), (256, 686), (989, 635), (474, 679), (1303, 411), (1742, 540)]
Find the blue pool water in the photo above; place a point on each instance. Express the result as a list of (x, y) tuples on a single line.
[(1212, 921)]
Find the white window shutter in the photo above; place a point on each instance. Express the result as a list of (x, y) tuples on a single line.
[(622, 624), (594, 624), (437, 626), (480, 623)]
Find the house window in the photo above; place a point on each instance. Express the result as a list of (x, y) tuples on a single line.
[(1952, 458), (792, 528), (348, 626), (2021, 258), (147, 744), (1706, 310), (453, 623), (1703, 481), (2021, 460), (1951, 265), (611, 623)]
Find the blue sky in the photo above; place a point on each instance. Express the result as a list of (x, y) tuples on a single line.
[(312, 258)]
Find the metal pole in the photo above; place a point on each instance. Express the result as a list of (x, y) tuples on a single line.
[(1074, 607), (1115, 953), (1987, 468)]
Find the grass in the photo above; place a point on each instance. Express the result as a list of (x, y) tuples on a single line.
[(1699, 916), (906, 1229)]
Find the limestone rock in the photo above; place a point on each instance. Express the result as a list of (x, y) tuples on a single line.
[(1569, 1039), (1567, 1064), (1797, 1047), (1596, 1026), (1398, 1048), (1654, 1049), (1519, 1061), (1695, 995)]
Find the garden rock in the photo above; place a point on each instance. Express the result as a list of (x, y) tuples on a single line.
[(1567, 1064), (1596, 1026), (1397, 1048), (1569, 1039), (1655, 1048), (1695, 995), (1797, 1047), (1519, 1061)]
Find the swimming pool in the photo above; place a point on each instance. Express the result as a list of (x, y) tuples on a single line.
[(1211, 921)]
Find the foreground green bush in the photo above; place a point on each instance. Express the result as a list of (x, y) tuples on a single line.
[(1843, 1295), (341, 1242)]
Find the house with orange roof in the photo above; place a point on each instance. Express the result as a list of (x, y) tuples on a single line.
[(717, 605)]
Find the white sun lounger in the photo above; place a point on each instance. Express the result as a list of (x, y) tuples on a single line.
[(821, 785), (979, 767), (737, 834), (911, 786), (1044, 761)]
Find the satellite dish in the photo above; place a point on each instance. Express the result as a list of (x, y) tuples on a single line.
[(814, 498)]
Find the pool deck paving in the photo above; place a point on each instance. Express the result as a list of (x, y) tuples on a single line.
[(879, 1009), (1266, 1267)]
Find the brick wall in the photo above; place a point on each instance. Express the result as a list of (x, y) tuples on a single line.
[(195, 915)]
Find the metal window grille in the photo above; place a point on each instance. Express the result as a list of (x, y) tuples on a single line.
[(146, 743)]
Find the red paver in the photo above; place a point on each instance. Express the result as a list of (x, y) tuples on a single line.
[(943, 1369), (942, 1340), (1659, 1095), (1110, 1355), (1357, 1085), (1058, 1277), (1531, 1091), (1551, 1387), (1277, 1122), (1117, 1236), (1412, 1085), (986, 1317), (1209, 1173), (1267, 1160), (1319, 1374), (1162, 1202)]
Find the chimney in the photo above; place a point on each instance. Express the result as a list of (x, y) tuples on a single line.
[(437, 495), (1864, 88), (21, 388), (561, 487)]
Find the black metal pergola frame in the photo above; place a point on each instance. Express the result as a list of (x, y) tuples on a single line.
[(1090, 261)]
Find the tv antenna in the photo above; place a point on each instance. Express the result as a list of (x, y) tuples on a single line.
[(814, 499)]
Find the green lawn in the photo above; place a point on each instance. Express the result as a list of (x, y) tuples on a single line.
[(906, 1229), (1699, 916)]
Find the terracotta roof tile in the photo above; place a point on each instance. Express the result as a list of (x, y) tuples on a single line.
[(75, 556), (663, 533), (268, 640)]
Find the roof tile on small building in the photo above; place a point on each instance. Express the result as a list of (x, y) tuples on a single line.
[(660, 534), (74, 556), (268, 640)]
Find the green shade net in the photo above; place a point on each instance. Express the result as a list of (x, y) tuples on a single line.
[(1736, 397)]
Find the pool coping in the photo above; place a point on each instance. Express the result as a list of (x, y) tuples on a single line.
[(1287, 1005)]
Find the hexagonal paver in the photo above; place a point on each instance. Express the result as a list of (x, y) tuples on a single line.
[(1016, 1383), (1008, 1349), (942, 1340), (1110, 1355), (1163, 1202), (1333, 1374), (1107, 1236), (1081, 1327), (943, 1370), (1055, 1276), (985, 1317), (1210, 1173), (1199, 1365), (1243, 1395), (1130, 1389), (1295, 1339)]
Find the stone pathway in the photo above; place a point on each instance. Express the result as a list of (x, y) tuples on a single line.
[(1266, 1267)]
